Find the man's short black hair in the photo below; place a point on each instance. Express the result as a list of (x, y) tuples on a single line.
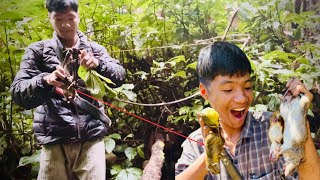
[(221, 58), (61, 5)]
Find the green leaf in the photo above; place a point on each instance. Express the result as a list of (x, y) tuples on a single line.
[(115, 136), (303, 60), (109, 92), (123, 175), (140, 150), (82, 72), (280, 55), (184, 110), (115, 169), (132, 96), (180, 74), (129, 174), (34, 158), (130, 153), (134, 173), (310, 113), (110, 144), (128, 86), (192, 65), (178, 59), (95, 85), (107, 80)]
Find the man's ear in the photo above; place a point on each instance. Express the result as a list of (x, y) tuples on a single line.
[(203, 91)]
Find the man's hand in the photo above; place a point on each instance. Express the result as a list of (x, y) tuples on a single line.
[(55, 77), (295, 87), (88, 60), (205, 130)]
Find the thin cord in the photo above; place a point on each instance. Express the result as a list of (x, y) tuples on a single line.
[(139, 117), (160, 104)]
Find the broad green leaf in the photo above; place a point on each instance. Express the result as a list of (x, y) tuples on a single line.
[(102, 77), (95, 85), (303, 60), (82, 72), (110, 144), (123, 175), (134, 173), (115, 169), (132, 96), (129, 174), (109, 92), (115, 136), (178, 59), (130, 153), (128, 86), (34, 158), (184, 110), (192, 65), (310, 113), (280, 55), (180, 74)]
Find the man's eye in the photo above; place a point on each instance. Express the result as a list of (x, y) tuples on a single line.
[(248, 88), (227, 90)]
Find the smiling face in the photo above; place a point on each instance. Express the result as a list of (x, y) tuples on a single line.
[(231, 97), (65, 23)]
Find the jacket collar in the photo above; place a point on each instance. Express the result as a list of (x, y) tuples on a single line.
[(82, 43)]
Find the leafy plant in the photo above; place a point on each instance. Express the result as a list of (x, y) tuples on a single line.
[(96, 84)]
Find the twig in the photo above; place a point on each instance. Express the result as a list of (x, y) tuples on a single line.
[(246, 42), (197, 43), (230, 23)]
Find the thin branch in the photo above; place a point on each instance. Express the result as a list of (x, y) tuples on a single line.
[(197, 43), (230, 23)]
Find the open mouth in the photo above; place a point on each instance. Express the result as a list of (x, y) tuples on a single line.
[(238, 112)]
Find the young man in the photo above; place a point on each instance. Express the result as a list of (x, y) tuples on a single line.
[(70, 133), (224, 74)]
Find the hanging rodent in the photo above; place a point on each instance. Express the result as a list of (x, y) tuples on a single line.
[(293, 110)]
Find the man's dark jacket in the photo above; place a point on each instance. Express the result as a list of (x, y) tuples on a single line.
[(55, 120)]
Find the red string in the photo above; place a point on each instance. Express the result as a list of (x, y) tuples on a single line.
[(139, 117)]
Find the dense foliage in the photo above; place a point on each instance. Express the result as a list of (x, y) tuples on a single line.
[(284, 42)]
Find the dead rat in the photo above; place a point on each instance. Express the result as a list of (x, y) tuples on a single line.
[(293, 110)]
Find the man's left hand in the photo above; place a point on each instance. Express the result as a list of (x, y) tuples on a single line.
[(88, 60)]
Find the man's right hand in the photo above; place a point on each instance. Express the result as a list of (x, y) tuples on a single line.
[(55, 77)]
